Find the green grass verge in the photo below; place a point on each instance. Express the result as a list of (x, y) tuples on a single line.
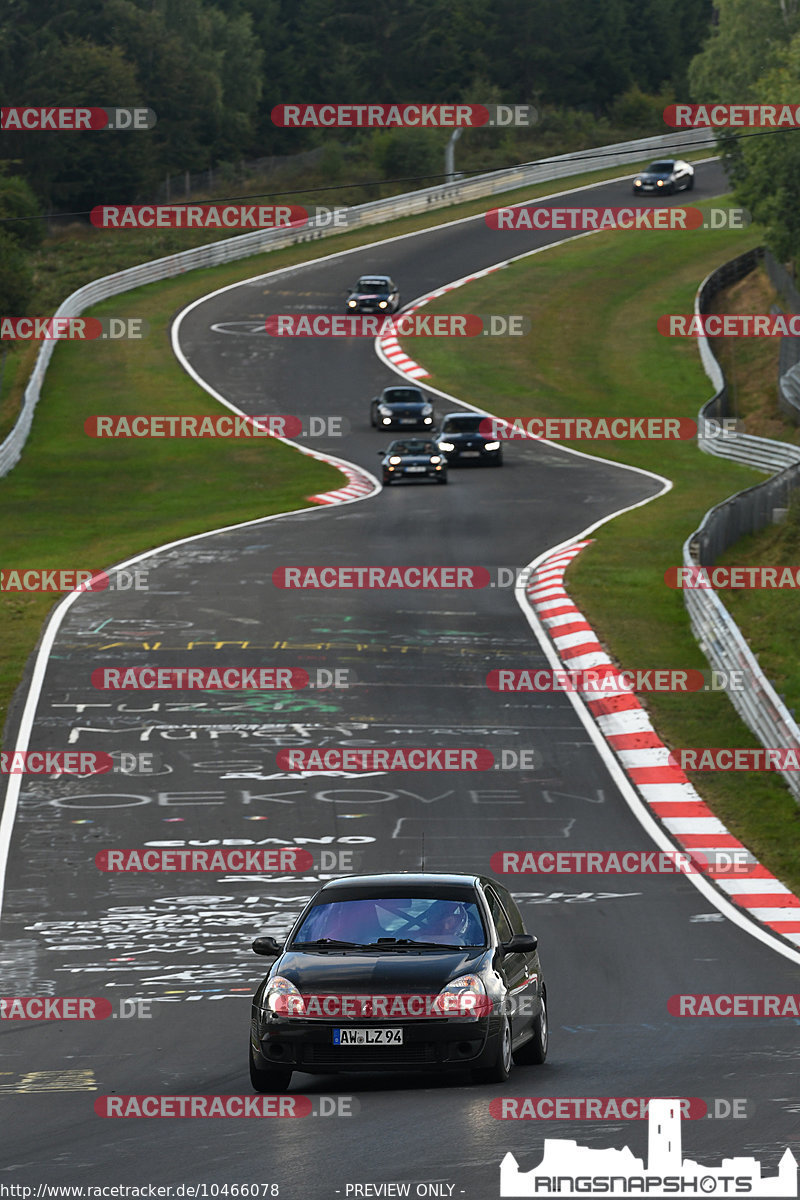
[(594, 351)]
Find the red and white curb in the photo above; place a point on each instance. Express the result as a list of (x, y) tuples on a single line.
[(665, 789), (358, 485), (390, 346)]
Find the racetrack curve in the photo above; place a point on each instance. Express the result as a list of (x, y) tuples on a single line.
[(613, 948)]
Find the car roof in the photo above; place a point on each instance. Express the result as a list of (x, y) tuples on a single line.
[(482, 415), (374, 279), (398, 879), (402, 387)]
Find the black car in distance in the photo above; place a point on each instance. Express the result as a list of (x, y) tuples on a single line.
[(462, 438), (400, 972), (401, 407), (374, 293), (412, 458), (667, 176)]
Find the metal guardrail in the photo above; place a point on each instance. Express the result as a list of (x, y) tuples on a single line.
[(374, 212), (789, 356), (748, 511)]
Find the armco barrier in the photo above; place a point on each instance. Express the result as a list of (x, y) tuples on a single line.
[(747, 511), (408, 204)]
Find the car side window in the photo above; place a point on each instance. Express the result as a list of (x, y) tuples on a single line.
[(498, 916), (511, 909)]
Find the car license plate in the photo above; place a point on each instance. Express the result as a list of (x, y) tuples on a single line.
[(408, 420), (415, 469), (470, 453), (367, 1037)]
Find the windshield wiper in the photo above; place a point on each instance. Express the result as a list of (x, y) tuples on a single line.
[(324, 942), (390, 943)]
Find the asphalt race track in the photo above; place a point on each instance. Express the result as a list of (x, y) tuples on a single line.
[(614, 948)]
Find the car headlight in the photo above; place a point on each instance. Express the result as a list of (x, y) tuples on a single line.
[(435, 458), (395, 460), (383, 304), (282, 998), (492, 446), (384, 410), (464, 997), (637, 183), (428, 420), (386, 420), (446, 446), (427, 409), (351, 303), (659, 183)]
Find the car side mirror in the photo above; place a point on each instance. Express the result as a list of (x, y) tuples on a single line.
[(521, 943), (267, 946), (381, 453)]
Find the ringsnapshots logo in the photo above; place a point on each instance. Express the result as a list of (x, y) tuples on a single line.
[(403, 116), (74, 120), (570, 1170)]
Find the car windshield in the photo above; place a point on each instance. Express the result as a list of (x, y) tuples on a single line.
[(402, 396), (468, 424), (414, 447), (372, 286), (403, 920), (660, 168)]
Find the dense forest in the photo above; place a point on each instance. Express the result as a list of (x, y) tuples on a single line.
[(213, 71)]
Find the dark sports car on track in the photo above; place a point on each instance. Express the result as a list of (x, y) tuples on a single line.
[(402, 972), (666, 176), (401, 407), (461, 441), (374, 293), (412, 458)]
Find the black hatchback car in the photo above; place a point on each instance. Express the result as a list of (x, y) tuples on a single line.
[(401, 407), (460, 440), (412, 458), (374, 293), (666, 176), (402, 972)]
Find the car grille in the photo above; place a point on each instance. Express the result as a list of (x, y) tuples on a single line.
[(413, 1052)]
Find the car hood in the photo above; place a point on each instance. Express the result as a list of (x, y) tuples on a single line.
[(652, 176), (413, 459), (404, 406), (369, 295), (393, 973)]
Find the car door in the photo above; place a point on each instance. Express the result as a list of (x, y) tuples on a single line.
[(532, 971), (513, 967)]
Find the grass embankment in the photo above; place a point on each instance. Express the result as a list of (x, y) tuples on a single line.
[(595, 351)]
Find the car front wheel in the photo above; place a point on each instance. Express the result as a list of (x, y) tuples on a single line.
[(271, 1081), (500, 1069)]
